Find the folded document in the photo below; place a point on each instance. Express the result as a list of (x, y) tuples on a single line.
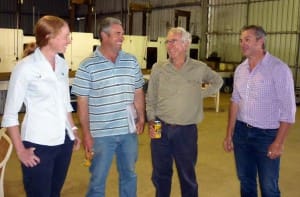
[(132, 117)]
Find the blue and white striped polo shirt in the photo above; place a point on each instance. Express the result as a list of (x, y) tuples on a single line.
[(110, 88)]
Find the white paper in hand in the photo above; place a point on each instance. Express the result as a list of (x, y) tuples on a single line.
[(132, 116)]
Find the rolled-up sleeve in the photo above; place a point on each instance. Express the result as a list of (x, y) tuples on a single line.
[(284, 86)]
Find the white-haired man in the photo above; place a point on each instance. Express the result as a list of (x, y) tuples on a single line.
[(174, 97)]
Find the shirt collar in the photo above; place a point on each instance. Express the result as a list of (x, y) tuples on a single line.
[(97, 53), (263, 61), (39, 57), (187, 59)]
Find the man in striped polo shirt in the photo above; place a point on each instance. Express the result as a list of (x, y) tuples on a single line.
[(107, 84)]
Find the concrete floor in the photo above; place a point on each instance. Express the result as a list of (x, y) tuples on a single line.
[(215, 168)]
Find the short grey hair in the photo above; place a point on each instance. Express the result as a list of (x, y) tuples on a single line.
[(185, 35), (106, 23)]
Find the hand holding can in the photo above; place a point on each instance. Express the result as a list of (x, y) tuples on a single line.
[(157, 129)]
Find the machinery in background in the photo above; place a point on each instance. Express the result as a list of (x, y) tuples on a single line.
[(224, 69), (83, 44), (147, 52)]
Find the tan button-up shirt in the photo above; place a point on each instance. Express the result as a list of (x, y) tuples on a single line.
[(176, 96)]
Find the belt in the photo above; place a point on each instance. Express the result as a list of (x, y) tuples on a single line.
[(246, 124), (171, 125), (249, 125), (253, 127), (168, 124)]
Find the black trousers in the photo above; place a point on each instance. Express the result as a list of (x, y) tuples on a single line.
[(178, 143), (47, 178)]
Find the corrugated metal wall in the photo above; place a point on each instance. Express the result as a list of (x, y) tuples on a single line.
[(216, 22), (280, 19), (159, 18), (29, 12)]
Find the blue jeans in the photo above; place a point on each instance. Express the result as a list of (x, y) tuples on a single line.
[(125, 148), (177, 143), (47, 178), (250, 150)]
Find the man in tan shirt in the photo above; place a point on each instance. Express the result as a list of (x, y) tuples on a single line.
[(175, 97)]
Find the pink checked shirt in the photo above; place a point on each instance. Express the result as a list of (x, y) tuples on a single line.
[(265, 95)]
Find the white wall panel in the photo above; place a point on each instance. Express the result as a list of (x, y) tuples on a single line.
[(136, 45)]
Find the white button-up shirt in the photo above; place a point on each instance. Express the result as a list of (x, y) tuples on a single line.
[(45, 94)]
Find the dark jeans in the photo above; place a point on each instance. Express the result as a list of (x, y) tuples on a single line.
[(177, 143), (250, 150), (47, 178)]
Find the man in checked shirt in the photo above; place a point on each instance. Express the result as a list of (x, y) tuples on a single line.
[(261, 112)]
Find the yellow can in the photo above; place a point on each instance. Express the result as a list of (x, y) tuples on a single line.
[(157, 129)]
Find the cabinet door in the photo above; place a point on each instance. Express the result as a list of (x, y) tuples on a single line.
[(11, 48)]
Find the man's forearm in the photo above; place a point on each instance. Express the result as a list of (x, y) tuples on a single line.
[(139, 103)]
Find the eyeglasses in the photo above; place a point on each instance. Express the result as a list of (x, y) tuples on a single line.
[(173, 41)]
